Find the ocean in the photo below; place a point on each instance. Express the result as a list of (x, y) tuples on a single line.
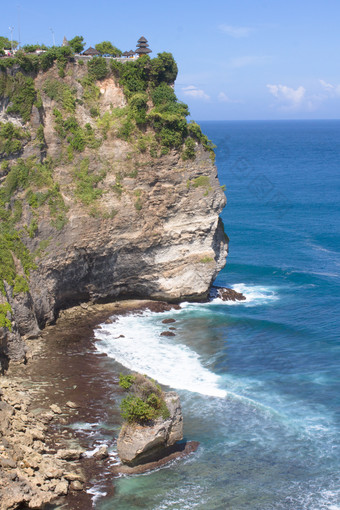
[(258, 380)]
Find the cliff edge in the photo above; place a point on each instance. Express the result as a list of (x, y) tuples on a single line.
[(106, 191)]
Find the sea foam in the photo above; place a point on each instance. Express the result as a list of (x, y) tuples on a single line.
[(137, 345)]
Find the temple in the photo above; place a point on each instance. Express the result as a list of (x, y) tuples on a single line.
[(142, 47)]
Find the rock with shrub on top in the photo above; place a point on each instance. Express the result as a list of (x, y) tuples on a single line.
[(153, 420)]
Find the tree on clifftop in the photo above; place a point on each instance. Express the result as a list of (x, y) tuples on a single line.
[(107, 48), (6, 44), (77, 44), (164, 68)]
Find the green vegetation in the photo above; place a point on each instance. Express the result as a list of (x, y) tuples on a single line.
[(126, 381), (206, 260), (107, 48), (87, 182), (5, 322), (21, 93), (35, 179), (6, 44), (61, 93), (20, 285), (34, 63), (189, 149), (195, 131), (91, 92), (153, 122), (145, 401), (97, 68), (152, 108), (31, 48), (12, 138), (77, 44), (118, 187), (202, 180), (152, 77), (41, 137), (75, 135)]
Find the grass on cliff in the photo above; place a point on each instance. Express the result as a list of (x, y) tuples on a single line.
[(62, 93), (12, 139), (20, 91), (27, 184), (145, 400), (87, 182)]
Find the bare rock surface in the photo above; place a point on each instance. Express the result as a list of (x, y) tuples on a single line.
[(30, 475), (139, 444), (169, 246), (171, 453)]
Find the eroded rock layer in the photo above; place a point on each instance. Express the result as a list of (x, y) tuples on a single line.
[(118, 222)]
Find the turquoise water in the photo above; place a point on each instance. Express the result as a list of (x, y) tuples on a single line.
[(259, 380)]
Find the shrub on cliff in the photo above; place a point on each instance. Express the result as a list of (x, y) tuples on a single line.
[(11, 138), (107, 48), (145, 401), (97, 68)]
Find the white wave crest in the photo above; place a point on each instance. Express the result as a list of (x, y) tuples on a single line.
[(135, 342), (255, 294)]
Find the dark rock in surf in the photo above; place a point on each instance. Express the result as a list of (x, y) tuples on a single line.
[(228, 294)]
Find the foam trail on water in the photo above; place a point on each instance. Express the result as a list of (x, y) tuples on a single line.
[(142, 349), (256, 294)]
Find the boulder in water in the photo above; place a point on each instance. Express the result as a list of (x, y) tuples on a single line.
[(142, 443)]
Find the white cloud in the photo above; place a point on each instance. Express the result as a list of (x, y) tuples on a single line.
[(249, 60), (236, 32), (288, 97), (223, 98), (332, 90), (193, 91)]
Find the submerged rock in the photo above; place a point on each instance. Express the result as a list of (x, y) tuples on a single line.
[(140, 444), (167, 333)]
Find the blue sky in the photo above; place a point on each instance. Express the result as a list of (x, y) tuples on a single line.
[(238, 59)]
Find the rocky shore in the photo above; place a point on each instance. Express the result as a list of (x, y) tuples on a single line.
[(46, 455), (36, 465)]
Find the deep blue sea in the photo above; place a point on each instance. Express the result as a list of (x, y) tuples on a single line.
[(258, 380)]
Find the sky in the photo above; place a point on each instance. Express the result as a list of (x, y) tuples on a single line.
[(237, 59)]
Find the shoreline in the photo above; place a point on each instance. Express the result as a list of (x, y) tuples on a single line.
[(68, 391), (65, 371)]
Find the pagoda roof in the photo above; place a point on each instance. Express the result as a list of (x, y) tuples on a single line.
[(91, 51), (126, 53), (142, 40), (143, 50)]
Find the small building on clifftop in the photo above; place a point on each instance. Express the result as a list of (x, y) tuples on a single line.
[(142, 47)]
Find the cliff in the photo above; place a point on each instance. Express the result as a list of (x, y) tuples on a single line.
[(106, 191)]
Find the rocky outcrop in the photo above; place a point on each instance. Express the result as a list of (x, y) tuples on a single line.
[(141, 444), (153, 230), (227, 294)]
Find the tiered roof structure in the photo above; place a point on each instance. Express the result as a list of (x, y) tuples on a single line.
[(142, 47)]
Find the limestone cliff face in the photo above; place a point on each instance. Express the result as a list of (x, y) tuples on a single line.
[(151, 230)]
